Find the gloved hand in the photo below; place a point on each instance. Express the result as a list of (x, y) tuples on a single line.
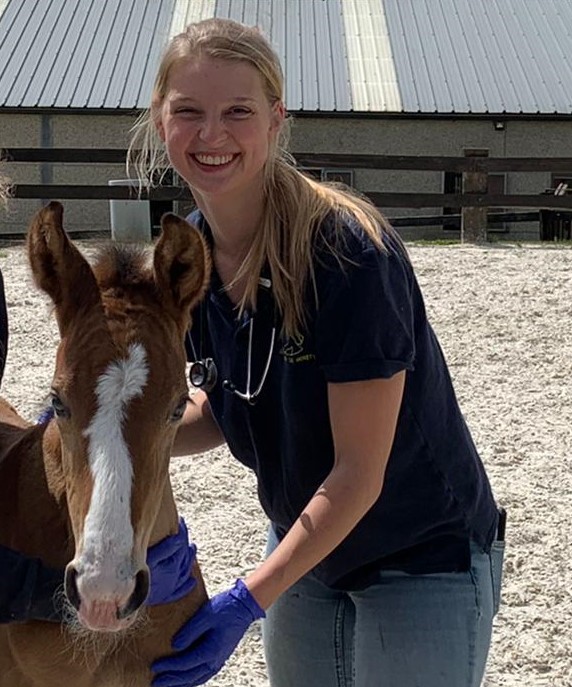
[(207, 640), (169, 564)]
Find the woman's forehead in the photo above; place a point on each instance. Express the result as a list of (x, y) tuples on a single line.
[(211, 77)]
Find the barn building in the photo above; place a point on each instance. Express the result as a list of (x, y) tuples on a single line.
[(388, 77)]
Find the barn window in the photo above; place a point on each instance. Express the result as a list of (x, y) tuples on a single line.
[(342, 176)]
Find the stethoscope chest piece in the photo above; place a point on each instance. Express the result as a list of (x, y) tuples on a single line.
[(203, 374)]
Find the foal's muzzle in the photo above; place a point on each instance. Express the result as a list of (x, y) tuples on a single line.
[(133, 604)]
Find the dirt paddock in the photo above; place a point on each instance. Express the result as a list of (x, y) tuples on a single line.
[(504, 318)]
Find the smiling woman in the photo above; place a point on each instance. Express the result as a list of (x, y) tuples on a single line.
[(381, 512), (217, 137)]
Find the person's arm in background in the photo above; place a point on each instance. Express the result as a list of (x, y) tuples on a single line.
[(28, 589), (198, 431)]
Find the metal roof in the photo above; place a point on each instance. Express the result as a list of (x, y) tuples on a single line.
[(370, 56)]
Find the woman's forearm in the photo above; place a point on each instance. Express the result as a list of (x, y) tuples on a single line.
[(363, 418), (332, 513)]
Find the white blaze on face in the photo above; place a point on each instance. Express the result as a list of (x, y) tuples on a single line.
[(105, 560)]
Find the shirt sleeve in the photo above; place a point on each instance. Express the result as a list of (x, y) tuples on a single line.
[(28, 589), (365, 322)]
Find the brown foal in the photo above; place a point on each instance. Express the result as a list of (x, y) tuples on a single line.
[(90, 491)]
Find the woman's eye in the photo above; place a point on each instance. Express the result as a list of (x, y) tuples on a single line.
[(59, 407), (239, 112), (187, 111)]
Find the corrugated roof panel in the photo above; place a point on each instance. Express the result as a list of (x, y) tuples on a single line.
[(449, 90), (277, 30), (132, 64), (428, 46), (292, 65), (46, 86), (187, 12), (355, 61), (443, 56), (409, 59), (515, 54), (81, 65), (90, 59), (487, 54), (528, 50), (540, 66), (250, 12), (339, 57), (555, 36), (325, 87), (12, 24), (110, 79), (155, 50), (493, 56), (310, 100), (457, 68), (17, 51), (36, 68), (370, 63)]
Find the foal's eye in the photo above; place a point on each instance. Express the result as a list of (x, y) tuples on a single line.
[(60, 409), (179, 410)]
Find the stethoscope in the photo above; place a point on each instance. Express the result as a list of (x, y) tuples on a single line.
[(203, 372)]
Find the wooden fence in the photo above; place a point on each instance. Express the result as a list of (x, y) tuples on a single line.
[(475, 166)]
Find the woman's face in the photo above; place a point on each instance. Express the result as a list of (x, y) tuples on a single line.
[(217, 126)]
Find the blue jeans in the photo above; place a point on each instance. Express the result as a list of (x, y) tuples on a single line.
[(407, 631)]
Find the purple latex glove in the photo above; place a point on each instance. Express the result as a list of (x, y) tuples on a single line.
[(169, 564), (206, 641)]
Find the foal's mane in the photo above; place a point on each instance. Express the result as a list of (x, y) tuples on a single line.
[(122, 265)]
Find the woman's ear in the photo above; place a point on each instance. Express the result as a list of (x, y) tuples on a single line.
[(160, 129), (158, 121), (277, 117)]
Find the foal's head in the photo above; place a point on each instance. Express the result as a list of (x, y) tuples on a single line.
[(118, 394)]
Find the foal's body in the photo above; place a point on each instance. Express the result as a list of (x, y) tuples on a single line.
[(48, 474)]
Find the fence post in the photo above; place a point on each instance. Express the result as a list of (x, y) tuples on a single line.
[(474, 219)]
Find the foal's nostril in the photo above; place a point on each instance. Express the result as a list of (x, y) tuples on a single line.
[(138, 597), (70, 586)]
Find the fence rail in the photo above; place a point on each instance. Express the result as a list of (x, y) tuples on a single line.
[(388, 200), (341, 160), (475, 165)]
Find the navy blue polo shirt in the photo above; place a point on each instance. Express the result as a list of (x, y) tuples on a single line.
[(369, 322)]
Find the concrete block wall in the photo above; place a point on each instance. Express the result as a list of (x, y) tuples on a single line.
[(387, 136)]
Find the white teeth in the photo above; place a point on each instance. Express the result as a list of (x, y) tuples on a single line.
[(213, 159)]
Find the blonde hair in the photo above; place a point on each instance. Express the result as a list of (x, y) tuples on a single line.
[(295, 205)]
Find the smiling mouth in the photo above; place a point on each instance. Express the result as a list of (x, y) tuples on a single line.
[(214, 160)]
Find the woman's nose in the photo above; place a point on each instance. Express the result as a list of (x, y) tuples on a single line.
[(212, 130)]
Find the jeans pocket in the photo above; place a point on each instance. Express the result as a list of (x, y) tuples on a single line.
[(497, 558)]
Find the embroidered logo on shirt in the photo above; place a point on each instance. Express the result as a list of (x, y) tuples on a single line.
[(293, 350)]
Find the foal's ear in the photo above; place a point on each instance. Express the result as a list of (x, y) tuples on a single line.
[(58, 267), (182, 264)]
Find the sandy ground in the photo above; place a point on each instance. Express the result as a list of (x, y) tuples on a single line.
[(504, 318)]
